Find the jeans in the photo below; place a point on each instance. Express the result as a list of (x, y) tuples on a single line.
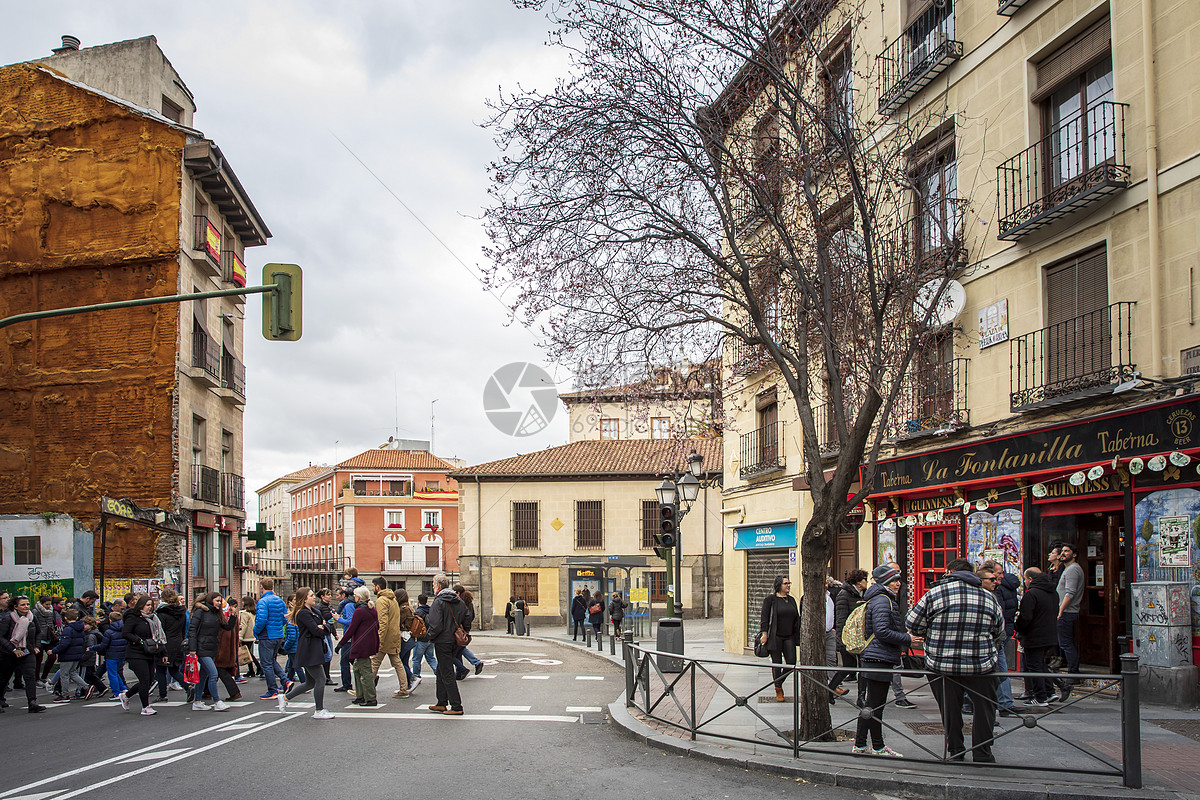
[(72, 673), (208, 679), (406, 648), (423, 650), (164, 674), (268, 653), (831, 638), (897, 687), (347, 667), (949, 692), (1066, 640), (576, 628), (1004, 691), (116, 681)]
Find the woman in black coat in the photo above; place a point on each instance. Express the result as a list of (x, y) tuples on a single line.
[(145, 646), (850, 598), (173, 618), (310, 651), (204, 640), (596, 611), (779, 628)]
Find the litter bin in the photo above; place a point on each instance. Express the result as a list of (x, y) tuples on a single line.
[(670, 640), (519, 621)]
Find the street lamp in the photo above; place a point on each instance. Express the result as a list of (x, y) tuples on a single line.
[(666, 492)]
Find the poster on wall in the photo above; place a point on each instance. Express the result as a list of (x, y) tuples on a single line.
[(1175, 541), (1149, 513), (996, 536), (887, 542)]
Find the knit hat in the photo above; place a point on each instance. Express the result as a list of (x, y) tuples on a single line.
[(883, 574)]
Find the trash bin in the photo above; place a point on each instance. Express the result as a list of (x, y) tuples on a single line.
[(519, 621), (670, 640)]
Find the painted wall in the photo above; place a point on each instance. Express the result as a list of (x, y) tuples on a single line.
[(65, 569)]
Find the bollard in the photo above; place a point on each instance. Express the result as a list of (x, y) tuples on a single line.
[(1131, 722), (612, 645), (519, 621), (587, 635), (630, 671), (600, 638)]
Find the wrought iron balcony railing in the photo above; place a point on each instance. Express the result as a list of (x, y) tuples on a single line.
[(924, 51), (939, 397), (201, 244), (828, 441), (761, 451), (233, 269), (1071, 359), (1077, 164), (233, 374), (206, 353), (206, 484), (233, 488)]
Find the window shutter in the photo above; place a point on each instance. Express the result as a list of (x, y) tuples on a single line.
[(1077, 286), (1071, 59)]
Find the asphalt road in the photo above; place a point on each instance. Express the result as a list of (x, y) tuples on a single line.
[(534, 728)]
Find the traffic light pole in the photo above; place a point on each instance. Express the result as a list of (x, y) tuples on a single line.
[(145, 301)]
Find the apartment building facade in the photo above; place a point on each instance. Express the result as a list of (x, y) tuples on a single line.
[(112, 194)]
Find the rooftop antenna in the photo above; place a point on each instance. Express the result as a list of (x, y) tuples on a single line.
[(431, 404)]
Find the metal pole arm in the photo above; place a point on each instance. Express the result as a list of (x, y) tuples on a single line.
[(145, 301)]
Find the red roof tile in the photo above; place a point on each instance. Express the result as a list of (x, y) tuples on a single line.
[(648, 457), (397, 459)]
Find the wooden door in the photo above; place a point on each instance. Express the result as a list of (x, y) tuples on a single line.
[(1099, 612), (845, 553)]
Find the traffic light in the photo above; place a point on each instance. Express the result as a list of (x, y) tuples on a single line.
[(667, 519), (282, 307)]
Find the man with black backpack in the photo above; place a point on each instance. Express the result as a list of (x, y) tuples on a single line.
[(424, 648)]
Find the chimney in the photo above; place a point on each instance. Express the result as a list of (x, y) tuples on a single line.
[(69, 43)]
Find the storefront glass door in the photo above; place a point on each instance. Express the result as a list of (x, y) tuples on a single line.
[(936, 547)]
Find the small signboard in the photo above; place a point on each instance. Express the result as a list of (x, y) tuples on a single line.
[(1189, 361), (993, 324), (639, 594)]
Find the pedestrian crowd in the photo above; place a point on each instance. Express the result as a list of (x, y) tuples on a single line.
[(79, 650), (961, 626)]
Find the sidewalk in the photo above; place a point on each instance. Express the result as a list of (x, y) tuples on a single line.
[(1170, 759)]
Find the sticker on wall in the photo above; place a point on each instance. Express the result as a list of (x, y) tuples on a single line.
[(1180, 459), (1039, 490), (1095, 473), (1157, 464), (1136, 465), (1078, 478)]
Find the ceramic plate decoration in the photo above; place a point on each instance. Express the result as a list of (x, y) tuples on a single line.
[(1157, 464), (941, 515), (1095, 473), (1180, 459), (912, 520), (1078, 478), (982, 505), (1116, 462), (966, 506), (1136, 465), (1039, 490), (882, 515)]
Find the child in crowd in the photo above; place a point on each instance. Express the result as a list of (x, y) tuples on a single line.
[(112, 646)]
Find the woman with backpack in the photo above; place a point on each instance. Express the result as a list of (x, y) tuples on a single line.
[(850, 598), (883, 631), (779, 628)]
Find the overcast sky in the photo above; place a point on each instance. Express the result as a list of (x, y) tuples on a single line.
[(392, 321)]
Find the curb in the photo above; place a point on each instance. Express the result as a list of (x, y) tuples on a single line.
[(899, 780), (604, 656)]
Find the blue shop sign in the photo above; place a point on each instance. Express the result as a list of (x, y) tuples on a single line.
[(768, 536)]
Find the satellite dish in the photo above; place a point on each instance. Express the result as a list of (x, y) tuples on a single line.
[(848, 249), (949, 305)]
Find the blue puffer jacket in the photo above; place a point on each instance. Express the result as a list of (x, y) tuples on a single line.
[(70, 645), (113, 643), (270, 617), (1006, 593), (886, 623)]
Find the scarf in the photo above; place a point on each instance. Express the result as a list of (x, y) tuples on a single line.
[(20, 630), (156, 629)]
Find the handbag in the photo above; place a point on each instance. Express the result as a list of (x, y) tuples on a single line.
[(151, 647), (595, 608), (911, 661), (461, 637), (760, 648)]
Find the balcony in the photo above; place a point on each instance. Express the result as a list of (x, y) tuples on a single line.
[(233, 270), (410, 567), (206, 357), (1078, 358), (1006, 8), (940, 398), (747, 359), (828, 441), (233, 489), (332, 565), (233, 376), (206, 244), (761, 451), (924, 51), (1078, 164), (206, 483)]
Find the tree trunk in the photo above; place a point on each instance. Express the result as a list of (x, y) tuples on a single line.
[(816, 548)]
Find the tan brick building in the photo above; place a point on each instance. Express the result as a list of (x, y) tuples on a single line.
[(108, 193)]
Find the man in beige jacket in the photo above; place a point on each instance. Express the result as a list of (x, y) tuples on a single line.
[(389, 635)]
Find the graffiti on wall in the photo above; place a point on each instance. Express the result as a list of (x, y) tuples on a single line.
[(1175, 512)]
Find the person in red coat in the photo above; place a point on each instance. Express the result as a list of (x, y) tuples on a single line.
[(362, 636)]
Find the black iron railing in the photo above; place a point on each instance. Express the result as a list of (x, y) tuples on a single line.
[(233, 269), (334, 565), (1077, 164), (1006, 8), (233, 374), (206, 352), (1072, 358), (920, 54), (233, 490), (206, 484), (664, 686), (200, 238), (746, 359), (940, 397), (761, 450), (828, 441)]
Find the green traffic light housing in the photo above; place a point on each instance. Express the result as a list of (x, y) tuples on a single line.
[(666, 525), (283, 307)]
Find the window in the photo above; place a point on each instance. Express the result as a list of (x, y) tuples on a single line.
[(935, 387), (393, 518), (649, 523), (224, 555), (431, 519), (339, 519), (525, 587), (171, 111), (329, 519), (657, 582), (433, 557), (937, 212), (199, 548), (1078, 333), (937, 547), (768, 441), (432, 486), (525, 525), (609, 429), (589, 524), (27, 550), (382, 486), (660, 428), (838, 83), (395, 555), (768, 175)]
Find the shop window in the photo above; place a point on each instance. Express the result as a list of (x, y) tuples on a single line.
[(525, 587)]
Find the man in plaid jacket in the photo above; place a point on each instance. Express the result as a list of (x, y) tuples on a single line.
[(963, 627)]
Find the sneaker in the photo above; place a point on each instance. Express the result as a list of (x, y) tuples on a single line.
[(174, 686), (148, 711), (239, 680), (462, 675), (358, 701), (416, 681), (282, 703), (437, 709), (200, 706), (905, 703), (1009, 712), (453, 712), (36, 709), (220, 705), (859, 750), (124, 699), (233, 698), (887, 751), (87, 695), (323, 714), (268, 696), (288, 687), (62, 699), (479, 668), (103, 690), (400, 693), (342, 689), (1039, 703)]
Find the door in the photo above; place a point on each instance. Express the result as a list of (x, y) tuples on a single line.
[(1100, 611), (936, 547)]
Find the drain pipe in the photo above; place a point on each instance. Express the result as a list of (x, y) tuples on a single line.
[(1152, 220), (705, 552), (479, 538)]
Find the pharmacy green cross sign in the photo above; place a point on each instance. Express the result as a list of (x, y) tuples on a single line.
[(260, 535)]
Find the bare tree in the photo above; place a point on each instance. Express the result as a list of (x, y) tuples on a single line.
[(710, 178)]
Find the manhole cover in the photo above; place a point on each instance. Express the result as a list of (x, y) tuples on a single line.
[(1184, 727), (592, 717), (932, 728)]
